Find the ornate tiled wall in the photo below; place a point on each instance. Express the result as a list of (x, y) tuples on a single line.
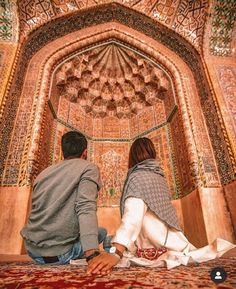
[(206, 169), (46, 149), (227, 78), (162, 141), (111, 127), (111, 156), (40, 45), (8, 39), (7, 55), (110, 139), (8, 44), (181, 158), (219, 56), (183, 16), (8, 21), (190, 20), (223, 23), (58, 133), (192, 125)]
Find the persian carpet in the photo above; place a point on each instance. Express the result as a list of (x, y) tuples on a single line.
[(27, 275)]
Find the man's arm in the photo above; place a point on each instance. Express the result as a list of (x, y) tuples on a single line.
[(86, 207)]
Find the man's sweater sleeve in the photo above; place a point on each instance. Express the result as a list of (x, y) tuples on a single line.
[(86, 207)]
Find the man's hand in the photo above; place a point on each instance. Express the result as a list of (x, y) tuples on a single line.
[(102, 264)]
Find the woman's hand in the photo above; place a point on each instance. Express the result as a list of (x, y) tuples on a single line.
[(102, 264)]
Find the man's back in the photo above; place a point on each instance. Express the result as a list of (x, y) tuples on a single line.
[(53, 223)]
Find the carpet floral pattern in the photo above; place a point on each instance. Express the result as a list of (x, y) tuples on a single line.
[(30, 276)]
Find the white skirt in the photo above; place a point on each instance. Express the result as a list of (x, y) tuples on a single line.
[(172, 258)]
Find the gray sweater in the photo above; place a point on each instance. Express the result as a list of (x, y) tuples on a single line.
[(63, 208)]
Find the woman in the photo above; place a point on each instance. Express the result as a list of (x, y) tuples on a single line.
[(150, 234)]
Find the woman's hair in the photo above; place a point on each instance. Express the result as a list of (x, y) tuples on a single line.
[(141, 149)]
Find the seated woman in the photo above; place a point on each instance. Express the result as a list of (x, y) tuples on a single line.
[(150, 234)]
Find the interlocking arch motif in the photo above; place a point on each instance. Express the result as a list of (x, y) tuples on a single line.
[(41, 39)]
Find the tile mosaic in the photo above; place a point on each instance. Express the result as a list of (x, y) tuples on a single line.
[(20, 137), (185, 17), (223, 22)]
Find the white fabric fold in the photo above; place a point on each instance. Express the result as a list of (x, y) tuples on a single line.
[(140, 228), (143, 229)]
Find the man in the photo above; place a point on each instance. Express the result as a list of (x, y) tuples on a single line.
[(63, 223)]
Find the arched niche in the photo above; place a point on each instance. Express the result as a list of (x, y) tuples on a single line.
[(53, 32), (82, 78), (28, 120), (41, 121)]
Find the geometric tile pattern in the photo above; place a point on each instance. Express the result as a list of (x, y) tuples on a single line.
[(183, 16), (227, 78), (205, 172), (46, 142), (163, 10), (109, 143), (180, 157), (87, 76), (5, 20), (223, 22), (33, 13), (8, 21), (110, 126), (110, 139), (190, 20), (7, 53), (111, 156), (59, 130), (130, 18), (165, 155)]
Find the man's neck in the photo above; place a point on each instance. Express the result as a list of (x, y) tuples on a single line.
[(72, 157)]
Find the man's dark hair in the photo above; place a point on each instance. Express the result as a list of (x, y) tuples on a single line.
[(73, 144)]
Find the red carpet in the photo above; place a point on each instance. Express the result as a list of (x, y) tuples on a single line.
[(23, 275)]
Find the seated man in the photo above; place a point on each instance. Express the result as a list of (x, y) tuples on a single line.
[(63, 223)]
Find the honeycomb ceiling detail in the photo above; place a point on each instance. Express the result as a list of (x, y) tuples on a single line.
[(111, 80)]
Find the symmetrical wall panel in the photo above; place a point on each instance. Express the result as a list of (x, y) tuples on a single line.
[(52, 32), (111, 158), (185, 17)]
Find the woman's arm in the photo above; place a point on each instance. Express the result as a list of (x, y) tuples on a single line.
[(125, 236), (131, 223)]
